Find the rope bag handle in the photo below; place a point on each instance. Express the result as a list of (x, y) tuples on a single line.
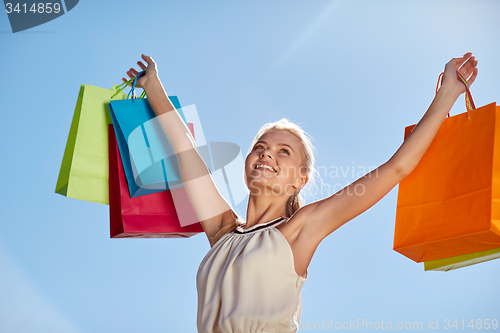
[(469, 102)]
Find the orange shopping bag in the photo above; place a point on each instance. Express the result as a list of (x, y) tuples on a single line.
[(450, 204)]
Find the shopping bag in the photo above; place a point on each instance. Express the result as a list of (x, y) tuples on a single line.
[(148, 159), (450, 204), (84, 168), (150, 216), (448, 264)]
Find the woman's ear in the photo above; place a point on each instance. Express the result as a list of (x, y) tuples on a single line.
[(302, 181)]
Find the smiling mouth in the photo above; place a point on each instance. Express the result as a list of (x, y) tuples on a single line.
[(265, 167)]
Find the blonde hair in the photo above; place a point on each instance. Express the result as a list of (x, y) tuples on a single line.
[(295, 201)]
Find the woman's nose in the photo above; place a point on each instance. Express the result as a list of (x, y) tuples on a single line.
[(265, 152)]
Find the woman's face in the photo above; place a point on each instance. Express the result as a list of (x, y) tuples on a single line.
[(282, 152)]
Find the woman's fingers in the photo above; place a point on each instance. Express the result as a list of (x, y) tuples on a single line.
[(465, 58), (473, 77), (125, 80), (467, 68), (132, 72), (458, 62), (470, 71), (147, 59)]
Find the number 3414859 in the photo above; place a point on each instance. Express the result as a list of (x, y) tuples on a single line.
[(36, 8), (477, 324)]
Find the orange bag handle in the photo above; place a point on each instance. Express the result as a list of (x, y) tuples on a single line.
[(469, 102)]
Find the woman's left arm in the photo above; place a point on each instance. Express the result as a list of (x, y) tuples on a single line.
[(318, 219)]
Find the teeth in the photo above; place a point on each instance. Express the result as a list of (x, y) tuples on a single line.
[(264, 166)]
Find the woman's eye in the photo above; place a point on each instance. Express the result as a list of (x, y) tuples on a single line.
[(261, 146)]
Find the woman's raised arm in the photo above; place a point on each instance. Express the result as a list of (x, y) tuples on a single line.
[(210, 206), (325, 216)]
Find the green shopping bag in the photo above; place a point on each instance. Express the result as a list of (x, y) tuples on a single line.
[(84, 170), (448, 264)]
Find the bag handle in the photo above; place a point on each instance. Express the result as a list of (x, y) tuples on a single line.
[(469, 102), (122, 86), (141, 73)]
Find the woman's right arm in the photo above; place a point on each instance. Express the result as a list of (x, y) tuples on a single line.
[(212, 209)]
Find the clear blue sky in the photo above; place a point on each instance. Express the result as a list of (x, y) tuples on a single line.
[(352, 73)]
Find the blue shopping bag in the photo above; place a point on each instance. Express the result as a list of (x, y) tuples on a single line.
[(149, 162)]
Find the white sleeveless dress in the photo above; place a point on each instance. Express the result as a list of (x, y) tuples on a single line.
[(247, 283)]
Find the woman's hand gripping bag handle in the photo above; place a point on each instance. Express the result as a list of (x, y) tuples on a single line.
[(133, 82), (469, 102)]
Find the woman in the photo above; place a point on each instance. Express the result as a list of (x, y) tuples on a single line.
[(251, 279)]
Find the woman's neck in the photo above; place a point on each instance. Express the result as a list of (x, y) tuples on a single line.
[(264, 208)]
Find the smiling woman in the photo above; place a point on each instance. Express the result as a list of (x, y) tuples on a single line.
[(251, 279), (291, 160)]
